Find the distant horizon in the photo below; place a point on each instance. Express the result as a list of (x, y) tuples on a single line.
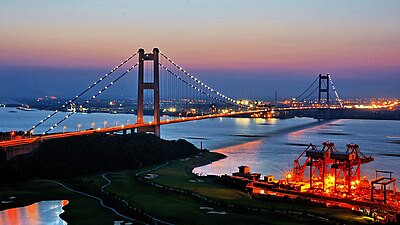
[(12, 101), (257, 86)]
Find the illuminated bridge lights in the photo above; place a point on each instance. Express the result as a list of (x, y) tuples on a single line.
[(189, 80), (197, 89), (93, 97), (85, 91), (195, 79)]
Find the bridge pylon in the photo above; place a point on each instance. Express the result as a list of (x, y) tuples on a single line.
[(144, 85), (324, 88)]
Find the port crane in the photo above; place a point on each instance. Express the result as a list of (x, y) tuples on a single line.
[(330, 168)]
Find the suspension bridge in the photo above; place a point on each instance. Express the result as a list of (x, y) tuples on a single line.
[(163, 84)]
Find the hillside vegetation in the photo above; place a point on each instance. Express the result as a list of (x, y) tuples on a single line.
[(83, 155)]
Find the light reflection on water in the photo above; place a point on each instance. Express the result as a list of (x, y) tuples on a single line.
[(275, 153), (242, 121), (245, 151), (45, 212), (278, 142)]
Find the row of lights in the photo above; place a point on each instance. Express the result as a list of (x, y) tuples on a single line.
[(334, 89), (196, 88), (198, 81), (93, 125), (93, 97), (14, 133), (90, 87)]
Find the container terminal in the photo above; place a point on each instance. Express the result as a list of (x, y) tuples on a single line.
[(330, 177)]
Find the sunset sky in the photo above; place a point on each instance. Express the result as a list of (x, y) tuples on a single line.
[(255, 46)]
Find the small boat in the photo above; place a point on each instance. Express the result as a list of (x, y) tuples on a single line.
[(24, 108)]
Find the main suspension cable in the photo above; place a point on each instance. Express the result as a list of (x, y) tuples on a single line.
[(196, 88), (309, 94), (308, 88), (82, 93), (198, 81), (337, 95), (91, 98)]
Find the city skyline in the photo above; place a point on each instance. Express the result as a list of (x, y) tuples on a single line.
[(259, 46)]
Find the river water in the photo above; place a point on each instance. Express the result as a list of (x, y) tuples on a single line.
[(45, 212), (267, 146)]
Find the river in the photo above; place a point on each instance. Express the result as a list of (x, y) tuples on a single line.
[(268, 146)]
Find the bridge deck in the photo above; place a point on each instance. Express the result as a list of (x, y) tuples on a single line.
[(27, 141)]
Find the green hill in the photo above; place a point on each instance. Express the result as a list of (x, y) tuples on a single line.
[(76, 156)]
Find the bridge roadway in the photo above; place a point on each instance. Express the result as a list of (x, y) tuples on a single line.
[(30, 140)]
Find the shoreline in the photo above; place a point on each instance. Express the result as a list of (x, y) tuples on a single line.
[(218, 156), (209, 194), (374, 117), (60, 204), (231, 200)]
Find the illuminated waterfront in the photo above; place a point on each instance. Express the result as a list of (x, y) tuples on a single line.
[(275, 153), (45, 212), (267, 146)]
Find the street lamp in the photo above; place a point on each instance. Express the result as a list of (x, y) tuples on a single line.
[(116, 123), (64, 127), (105, 123), (93, 125), (12, 134), (79, 126), (127, 121), (30, 133), (288, 177)]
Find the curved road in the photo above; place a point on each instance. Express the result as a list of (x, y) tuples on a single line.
[(99, 199)]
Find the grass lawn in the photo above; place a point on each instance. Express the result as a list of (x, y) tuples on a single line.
[(177, 174), (181, 209)]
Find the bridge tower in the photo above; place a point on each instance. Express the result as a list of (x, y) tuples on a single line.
[(155, 86), (324, 88)]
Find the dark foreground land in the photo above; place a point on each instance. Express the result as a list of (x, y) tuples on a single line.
[(77, 156), (149, 180)]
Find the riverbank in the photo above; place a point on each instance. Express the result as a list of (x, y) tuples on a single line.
[(238, 203), (77, 211), (171, 193), (70, 160), (44, 212)]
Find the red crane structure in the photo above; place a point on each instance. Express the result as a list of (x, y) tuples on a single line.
[(331, 170)]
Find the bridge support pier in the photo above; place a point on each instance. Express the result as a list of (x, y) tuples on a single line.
[(12, 152), (155, 86)]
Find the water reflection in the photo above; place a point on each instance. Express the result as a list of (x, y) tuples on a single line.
[(45, 212), (284, 142), (301, 134), (279, 142), (241, 154), (242, 121), (269, 121)]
